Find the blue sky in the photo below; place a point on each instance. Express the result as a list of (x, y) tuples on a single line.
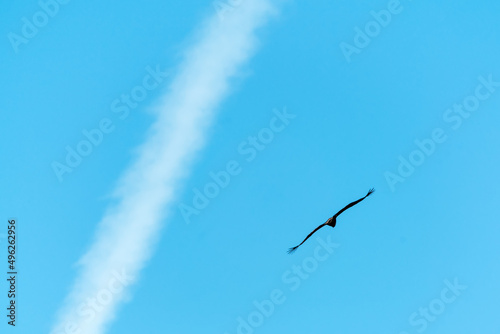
[(353, 119)]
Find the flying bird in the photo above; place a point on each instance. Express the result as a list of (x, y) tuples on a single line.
[(332, 221)]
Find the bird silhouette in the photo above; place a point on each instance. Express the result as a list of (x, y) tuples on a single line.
[(332, 221)]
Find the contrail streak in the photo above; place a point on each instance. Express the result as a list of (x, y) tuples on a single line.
[(128, 231)]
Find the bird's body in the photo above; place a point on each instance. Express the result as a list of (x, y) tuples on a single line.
[(332, 221)]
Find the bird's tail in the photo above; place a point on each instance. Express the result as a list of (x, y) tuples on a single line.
[(371, 191), (293, 249)]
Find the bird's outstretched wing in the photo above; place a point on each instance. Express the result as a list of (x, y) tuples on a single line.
[(291, 250), (354, 203)]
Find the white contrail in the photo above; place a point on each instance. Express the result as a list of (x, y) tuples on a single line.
[(128, 231)]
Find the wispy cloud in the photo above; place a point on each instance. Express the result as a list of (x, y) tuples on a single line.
[(128, 231)]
